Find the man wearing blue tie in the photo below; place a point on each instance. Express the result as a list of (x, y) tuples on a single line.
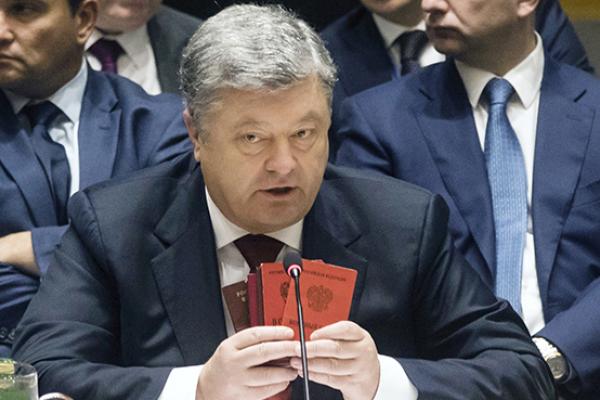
[(511, 140), (62, 127)]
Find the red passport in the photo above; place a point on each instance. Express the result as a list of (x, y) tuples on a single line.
[(326, 291)]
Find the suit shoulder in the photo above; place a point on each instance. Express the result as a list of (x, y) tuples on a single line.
[(133, 96), (407, 89), (148, 186), (363, 181), (167, 19), (336, 30)]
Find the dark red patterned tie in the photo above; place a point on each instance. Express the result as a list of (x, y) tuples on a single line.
[(107, 52), (257, 249)]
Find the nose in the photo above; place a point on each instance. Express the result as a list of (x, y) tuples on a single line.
[(434, 6), (282, 160), (5, 33)]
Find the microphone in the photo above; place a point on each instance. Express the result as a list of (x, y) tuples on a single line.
[(292, 265)]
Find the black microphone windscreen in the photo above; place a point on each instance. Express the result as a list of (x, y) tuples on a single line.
[(292, 257)]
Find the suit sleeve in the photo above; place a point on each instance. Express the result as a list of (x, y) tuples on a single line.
[(470, 343), (45, 240), (559, 36), (70, 332), (579, 346)]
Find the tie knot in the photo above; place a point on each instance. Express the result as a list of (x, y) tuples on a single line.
[(411, 44), (257, 249), (107, 52), (43, 113), (498, 91)]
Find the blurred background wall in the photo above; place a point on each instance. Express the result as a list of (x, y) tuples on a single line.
[(585, 15)]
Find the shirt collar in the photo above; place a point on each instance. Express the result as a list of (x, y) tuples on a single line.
[(68, 98), (226, 232), (525, 78), (133, 43), (390, 30)]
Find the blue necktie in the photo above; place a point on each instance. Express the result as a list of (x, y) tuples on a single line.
[(508, 184), (51, 154)]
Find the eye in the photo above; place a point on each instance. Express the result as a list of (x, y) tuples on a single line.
[(304, 133), (250, 138), (24, 8)]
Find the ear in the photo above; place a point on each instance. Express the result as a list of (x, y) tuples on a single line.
[(85, 16), (192, 133), (526, 8)]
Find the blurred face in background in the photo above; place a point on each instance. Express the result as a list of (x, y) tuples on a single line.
[(116, 16), (476, 30), (403, 12)]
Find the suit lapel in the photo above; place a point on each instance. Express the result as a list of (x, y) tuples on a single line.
[(20, 161), (187, 276), (374, 66), (449, 129), (99, 130), (563, 132), (328, 232)]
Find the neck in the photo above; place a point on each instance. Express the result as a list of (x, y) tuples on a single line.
[(499, 59)]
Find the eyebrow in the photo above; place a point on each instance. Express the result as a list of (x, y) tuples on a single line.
[(309, 116)]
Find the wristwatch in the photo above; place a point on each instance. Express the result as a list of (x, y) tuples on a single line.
[(553, 357)]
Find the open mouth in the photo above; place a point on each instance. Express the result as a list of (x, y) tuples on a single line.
[(279, 191)]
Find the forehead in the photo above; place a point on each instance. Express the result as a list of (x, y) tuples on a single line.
[(303, 101), (39, 6)]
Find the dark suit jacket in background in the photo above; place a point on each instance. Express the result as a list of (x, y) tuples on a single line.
[(318, 13), (169, 31), (122, 129), (421, 129), (145, 278), (363, 61)]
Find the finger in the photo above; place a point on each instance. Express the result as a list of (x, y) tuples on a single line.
[(342, 330), (330, 366), (332, 349), (265, 376), (264, 352), (336, 382), (263, 392), (258, 334)]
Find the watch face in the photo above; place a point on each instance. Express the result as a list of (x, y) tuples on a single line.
[(558, 367)]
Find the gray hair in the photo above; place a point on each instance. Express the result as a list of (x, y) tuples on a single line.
[(251, 47)]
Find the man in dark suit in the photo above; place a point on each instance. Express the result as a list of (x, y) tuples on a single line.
[(147, 273), (366, 46), (144, 41), (437, 129), (103, 127)]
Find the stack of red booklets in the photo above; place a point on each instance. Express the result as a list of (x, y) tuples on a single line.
[(269, 298)]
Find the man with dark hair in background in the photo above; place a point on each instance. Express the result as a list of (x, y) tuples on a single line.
[(62, 127)]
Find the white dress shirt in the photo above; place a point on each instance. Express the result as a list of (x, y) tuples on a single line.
[(182, 382), (390, 32), (64, 129), (137, 62), (522, 112)]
